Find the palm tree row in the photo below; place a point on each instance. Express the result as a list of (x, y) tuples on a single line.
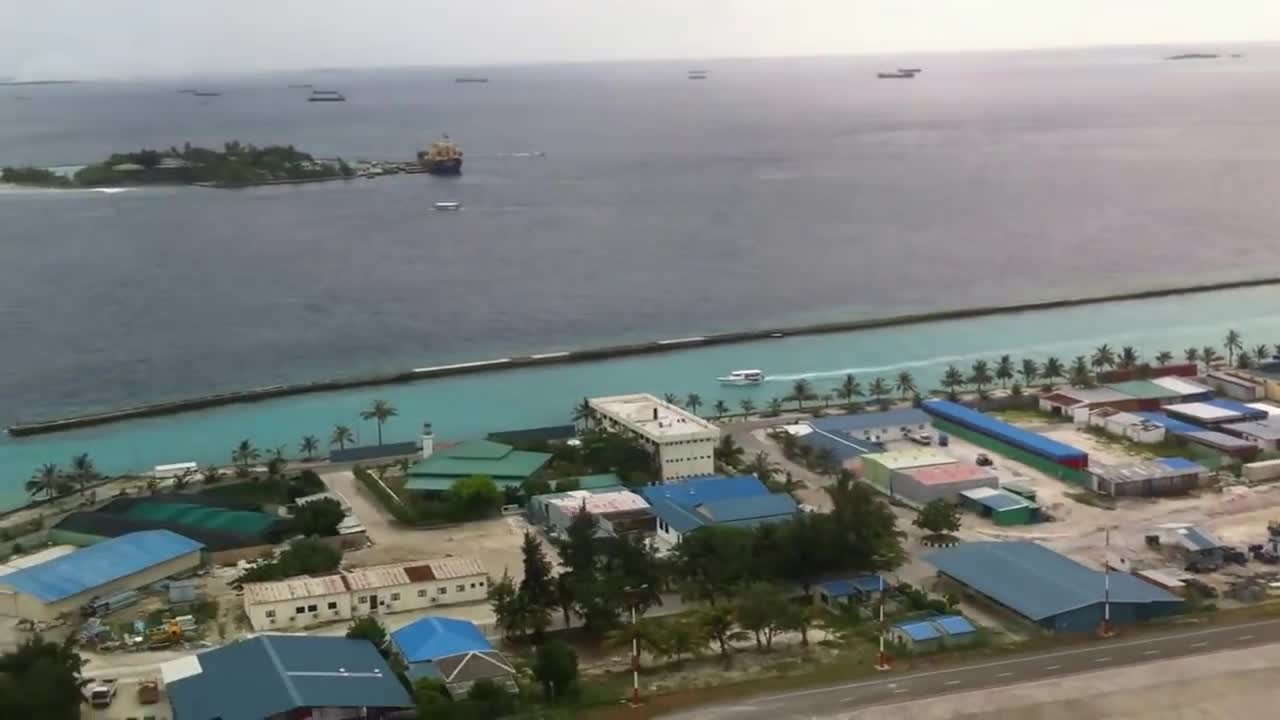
[(50, 480)]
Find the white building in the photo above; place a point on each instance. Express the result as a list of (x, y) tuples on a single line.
[(303, 601), (683, 444), (1127, 425)]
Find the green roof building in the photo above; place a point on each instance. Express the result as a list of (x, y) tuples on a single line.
[(507, 466)]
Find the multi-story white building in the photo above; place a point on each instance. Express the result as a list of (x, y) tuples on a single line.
[(682, 443), (303, 601)]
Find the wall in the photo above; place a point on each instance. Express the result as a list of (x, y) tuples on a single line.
[(414, 596), (686, 458), (235, 555), (904, 485), (29, 606), (287, 617)]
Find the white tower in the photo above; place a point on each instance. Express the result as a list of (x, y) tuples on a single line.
[(428, 441)]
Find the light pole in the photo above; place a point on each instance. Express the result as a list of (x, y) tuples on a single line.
[(882, 662), (1106, 630), (635, 645)]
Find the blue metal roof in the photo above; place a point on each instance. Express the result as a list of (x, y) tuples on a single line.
[(1245, 411), (1193, 538), (432, 638), (846, 587), (1181, 464), (919, 630), (843, 447), (748, 508), (954, 624), (1016, 436), (270, 674), (696, 491), (866, 421), (99, 564), (1036, 581), (1168, 423)]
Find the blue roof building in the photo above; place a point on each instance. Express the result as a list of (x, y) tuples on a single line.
[(455, 652), (127, 562), (860, 588), (740, 501), (933, 633), (1047, 588), (283, 676)]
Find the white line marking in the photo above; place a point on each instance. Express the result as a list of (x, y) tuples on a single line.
[(901, 690), (1202, 643), (1150, 652), (1052, 667), (1245, 637), (952, 682), (1004, 674), (852, 698), (1103, 659), (1017, 660)]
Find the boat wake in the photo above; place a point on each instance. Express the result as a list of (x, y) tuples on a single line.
[(112, 191)]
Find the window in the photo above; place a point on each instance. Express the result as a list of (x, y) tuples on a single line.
[(271, 613), (473, 586), (481, 583), (422, 592), (395, 597), (364, 599), (311, 608), (442, 590), (333, 605), (299, 610), (461, 588)]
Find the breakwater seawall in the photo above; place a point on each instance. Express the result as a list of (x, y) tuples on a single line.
[(608, 352)]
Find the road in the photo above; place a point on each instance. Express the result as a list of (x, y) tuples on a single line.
[(837, 700)]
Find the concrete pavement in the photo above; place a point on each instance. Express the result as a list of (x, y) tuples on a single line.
[(891, 688)]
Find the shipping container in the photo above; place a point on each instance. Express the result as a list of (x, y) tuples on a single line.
[(1039, 445), (1262, 471)]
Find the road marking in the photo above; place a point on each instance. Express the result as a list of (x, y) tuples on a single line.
[(1103, 659), (1245, 637), (952, 682), (1053, 667), (901, 690), (1150, 652), (1004, 674), (852, 698), (1202, 643)]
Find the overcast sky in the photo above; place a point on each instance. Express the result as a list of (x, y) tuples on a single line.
[(104, 38)]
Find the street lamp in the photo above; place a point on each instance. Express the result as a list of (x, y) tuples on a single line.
[(1106, 630), (882, 661), (635, 645)]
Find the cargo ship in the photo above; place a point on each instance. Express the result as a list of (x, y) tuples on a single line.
[(326, 96), (444, 157)]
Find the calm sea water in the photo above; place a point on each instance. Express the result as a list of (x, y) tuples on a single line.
[(777, 191)]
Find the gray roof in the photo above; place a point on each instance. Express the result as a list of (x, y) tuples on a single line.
[(1264, 429), (1037, 582), (863, 421), (1196, 539), (1140, 471), (1093, 395)]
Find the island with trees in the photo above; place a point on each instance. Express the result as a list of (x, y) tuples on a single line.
[(236, 165)]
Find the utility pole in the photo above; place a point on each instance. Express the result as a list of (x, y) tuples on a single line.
[(635, 645), (882, 662), (1106, 630)]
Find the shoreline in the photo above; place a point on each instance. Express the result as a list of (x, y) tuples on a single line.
[(25, 429)]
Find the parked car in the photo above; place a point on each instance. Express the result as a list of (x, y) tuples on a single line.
[(102, 692), (920, 438), (983, 459)]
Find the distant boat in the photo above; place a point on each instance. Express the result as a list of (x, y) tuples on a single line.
[(698, 74), (326, 96), (742, 377), (896, 76), (188, 91), (448, 206), (471, 79), (913, 71), (300, 86), (205, 93), (444, 157)]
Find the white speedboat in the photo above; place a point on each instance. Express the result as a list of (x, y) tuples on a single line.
[(742, 377), (448, 206)]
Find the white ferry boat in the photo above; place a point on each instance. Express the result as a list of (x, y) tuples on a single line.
[(742, 377), (448, 206)]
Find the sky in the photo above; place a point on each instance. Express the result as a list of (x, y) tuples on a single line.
[(123, 38)]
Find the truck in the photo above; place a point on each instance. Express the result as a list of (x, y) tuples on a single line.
[(148, 692), (102, 692)]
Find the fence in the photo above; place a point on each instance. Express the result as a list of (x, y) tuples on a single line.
[(1046, 466)]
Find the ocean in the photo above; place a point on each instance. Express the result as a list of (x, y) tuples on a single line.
[(607, 203)]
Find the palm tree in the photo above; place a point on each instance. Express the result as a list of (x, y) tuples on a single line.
[(1030, 371), (905, 385), (762, 467), (210, 475), (1277, 347), (83, 472), (310, 444), (721, 409), (1244, 360), (1004, 370), (183, 479), (801, 390), (1080, 372), (1104, 357), (245, 455), (670, 399), (1164, 357), (341, 436), (827, 398), (1191, 354), (729, 452), (693, 402), (46, 480), (952, 379), (278, 454), (1052, 369), (1129, 357), (981, 375), (775, 407), (748, 406), (1233, 344), (849, 389), (878, 389), (1261, 353), (1209, 355), (380, 411), (582, 412)]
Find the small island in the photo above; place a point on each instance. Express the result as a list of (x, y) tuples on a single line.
[(237, 165), (1194, 56)]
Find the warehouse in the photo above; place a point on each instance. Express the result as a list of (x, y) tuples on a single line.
[(617, 511), (877, 427), (878, 468), (1126, 425), (1147, 394), (65, 584), (1067, 401), (1235, 385), (841, 446), (1265, 434), (1187, 390), (1048, 589), (437, 470), (920, 485), (1214, 413), (302, 601), (740, 501), (1002, 507), (1152, 478), (1042, 453), (1205, 442)]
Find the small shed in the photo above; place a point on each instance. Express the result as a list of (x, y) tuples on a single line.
[(933, 633), (861, 588), (1002, 507)]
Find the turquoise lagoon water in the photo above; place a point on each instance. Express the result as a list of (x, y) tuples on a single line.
[(471, 406)]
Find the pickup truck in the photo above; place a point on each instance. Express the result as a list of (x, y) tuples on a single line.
[(102, 692)]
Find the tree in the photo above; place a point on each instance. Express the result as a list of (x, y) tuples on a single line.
[(1052, 370), (938, 517), (711, 561), (849, 389), (320, 518), (243, 456), (565, 598), (582, 412), (718, 626), (304, 557), (1030, 371), (775, 407), (827, 398), (309, 446), (693, 401), (492, 699), (473, 497), (47, 480), (759, 609), (878, 389), (729, 452), (211, 475), (1192, 354), (1244, 359), (1209, 355), (801, 619), (380, 412), (670, 399), (683, 638), (41, 679), (952, 380), (508, 611), (183, 479), (905, 384), (83, 473), (801, 391), (1261, 353), (430, 697), (1129, 358), (368, 627), (980, 375), (1164, 357), (748, 406), (555, 667), (762, 467), (1103, 357), (1233, 344), (721, 409), (1004, 370), (341, 436), (1080, 372), (537, 590)]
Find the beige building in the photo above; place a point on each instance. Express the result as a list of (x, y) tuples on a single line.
[(299, 602), (66, 583), (682, 443)]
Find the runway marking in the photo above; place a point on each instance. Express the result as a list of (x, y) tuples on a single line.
[(1103, 659), (901, 690), (1053, 667), (1245, 637), (1202, 643), (952, 682), (1004, 674), (1150, 652)]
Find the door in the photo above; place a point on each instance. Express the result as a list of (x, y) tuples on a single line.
[(373, 603)]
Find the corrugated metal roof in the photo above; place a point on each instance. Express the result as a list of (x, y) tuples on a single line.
[(1196, 539), (910, 458), (857, 422), (1268, 408), (1078, 396), (954, 624), (1182, 465), (1170, 424), (842, 446), (1219, 441), (1202, 412), (919, 630), (696, 491), (1143, 390), (1181, 386), (480, 457), (748, 508), (1246, 411), (1036, 581), (599, 503), (944, 474), (432, 638), (367, 578), (997, 500), (379, 576), (987, 425), (1261, 430), (100, 564), (272, 674), (294, 589), (865, 584), (456, 567)]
